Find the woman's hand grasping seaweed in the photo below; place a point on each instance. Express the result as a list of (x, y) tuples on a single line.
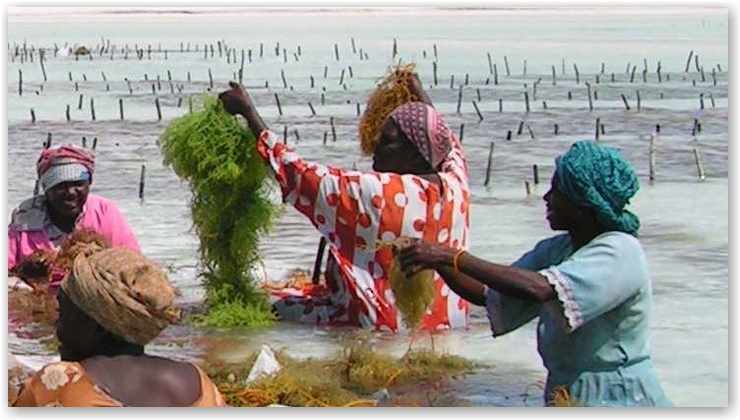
[(421, 255), (237, 101)]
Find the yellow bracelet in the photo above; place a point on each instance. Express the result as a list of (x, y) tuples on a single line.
[(456, 258)]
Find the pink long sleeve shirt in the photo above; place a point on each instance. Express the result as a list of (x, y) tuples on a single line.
[(31, 229)]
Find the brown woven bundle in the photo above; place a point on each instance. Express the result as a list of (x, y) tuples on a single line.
[(126, 293), (393, 91)]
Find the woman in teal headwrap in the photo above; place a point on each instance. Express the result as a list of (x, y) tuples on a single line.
[(589, 287)]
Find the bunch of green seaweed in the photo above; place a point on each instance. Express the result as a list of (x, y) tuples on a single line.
[(349, 379), (230, 207)]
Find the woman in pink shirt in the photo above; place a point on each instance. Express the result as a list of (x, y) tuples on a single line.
[(40, 224)]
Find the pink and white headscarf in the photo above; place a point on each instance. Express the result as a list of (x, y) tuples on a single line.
[(64, 163), (426, 129)]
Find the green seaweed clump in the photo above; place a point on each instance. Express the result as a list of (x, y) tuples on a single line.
[(230, 207), (348, 379)]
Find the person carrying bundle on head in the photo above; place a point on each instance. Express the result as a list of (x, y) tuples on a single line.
[(39, 225), (113, 302), (418, 188)]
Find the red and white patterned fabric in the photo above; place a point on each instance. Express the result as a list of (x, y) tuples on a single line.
[(354, 210)]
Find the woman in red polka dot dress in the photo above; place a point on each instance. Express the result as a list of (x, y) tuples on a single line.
[(418, 189)]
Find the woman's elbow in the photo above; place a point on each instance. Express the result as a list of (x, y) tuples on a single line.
[(541, 292)]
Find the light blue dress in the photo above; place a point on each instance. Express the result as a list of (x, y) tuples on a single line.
[(593, 338)]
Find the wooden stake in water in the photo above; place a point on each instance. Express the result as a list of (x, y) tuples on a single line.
[(95, 143), (527, 188), (578, 76), (701, 101), (490, 64), (459, 98), (319, 254), (696, 128), (555, 130), (506, 66), (699, 165), (20, 82), (462, 132), (92, 109), (67, 114), (43, 69), (526, 100), (33, 116), (277, 102), (313, 111), (590, 99), (598, 126), (159, 109), (651, 156), (477, 111), (210, 79), (531, 132), (489, 166), (624, 99), (639, 107), (553, 75), (434, 68), (333, 129), (142, 182), (535, 174)]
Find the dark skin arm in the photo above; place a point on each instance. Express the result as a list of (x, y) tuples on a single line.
[(465, 286), (510, 281), (237, 101)]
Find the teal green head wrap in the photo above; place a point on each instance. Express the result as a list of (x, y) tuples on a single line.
[(598, 177)]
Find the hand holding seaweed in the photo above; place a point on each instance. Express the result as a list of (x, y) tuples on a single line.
[(413, 292), (422, 254), (235, 100)]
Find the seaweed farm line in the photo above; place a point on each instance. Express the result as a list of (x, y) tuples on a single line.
[(518, 87)]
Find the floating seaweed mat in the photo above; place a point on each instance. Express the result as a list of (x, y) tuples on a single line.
[(347, 380), (230, 208), (392, 91)]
